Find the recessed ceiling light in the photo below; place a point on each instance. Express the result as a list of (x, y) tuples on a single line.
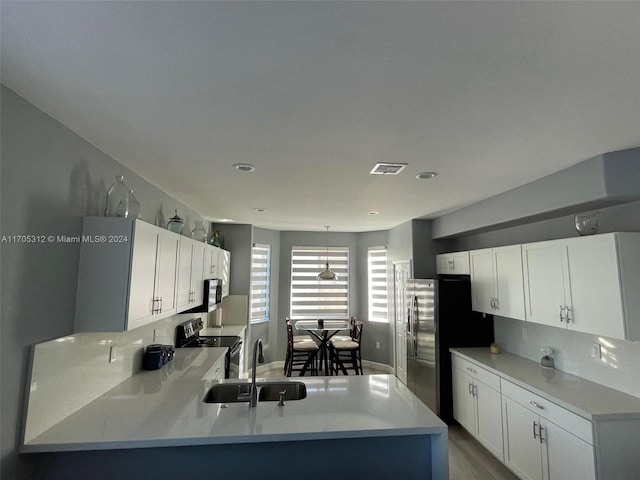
[(426, 175), (244, 167), (259, 209), (225, 220), (372, 212)]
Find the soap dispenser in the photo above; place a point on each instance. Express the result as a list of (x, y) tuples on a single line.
[(547, 360)]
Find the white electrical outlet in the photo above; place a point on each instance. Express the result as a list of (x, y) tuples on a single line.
[(596, 351), (377, 345), (155, 335), (113, 353)]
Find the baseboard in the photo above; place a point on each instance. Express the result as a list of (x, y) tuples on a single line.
[(378, 366)]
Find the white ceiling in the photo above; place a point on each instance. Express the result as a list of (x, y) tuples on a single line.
[(491, 95)]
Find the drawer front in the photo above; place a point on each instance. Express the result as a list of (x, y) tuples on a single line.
[(490, 379), (579, 426)]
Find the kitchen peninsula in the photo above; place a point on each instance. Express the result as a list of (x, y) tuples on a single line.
[(367, 426)]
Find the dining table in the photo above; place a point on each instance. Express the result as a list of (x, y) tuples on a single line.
[(323, 331)]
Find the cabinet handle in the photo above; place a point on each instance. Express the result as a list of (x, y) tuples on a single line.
[(160, 310), (535, 434), (540, 429), (567, 310), (497, 304), (561, 317), (537, 405), (451, 264), (470, 390), (475, 391)]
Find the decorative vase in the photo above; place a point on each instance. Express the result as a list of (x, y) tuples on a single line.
[(587, 224), (217, 240), (175, 223), (129, 207), (117, 193), (200, 232)]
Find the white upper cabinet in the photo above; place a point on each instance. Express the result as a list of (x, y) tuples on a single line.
[(456, 263), (586, 284), (126, 276), (497, 281), (191, 268), (152, 293), (224, 270), (211, 261)]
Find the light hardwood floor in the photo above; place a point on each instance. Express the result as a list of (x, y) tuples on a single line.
[(468, 460)]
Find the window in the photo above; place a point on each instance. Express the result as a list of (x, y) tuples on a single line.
[(260, 282), (377, 282), (312, 298)]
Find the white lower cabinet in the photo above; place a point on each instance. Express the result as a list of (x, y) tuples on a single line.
[(536, 448), (476, 404)]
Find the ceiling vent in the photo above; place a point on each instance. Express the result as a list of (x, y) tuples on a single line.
[(382, 168)]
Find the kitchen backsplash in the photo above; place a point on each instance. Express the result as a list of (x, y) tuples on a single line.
[(618, 367), (71, 371)]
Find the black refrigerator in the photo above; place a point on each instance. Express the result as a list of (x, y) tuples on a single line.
[(439, 317)]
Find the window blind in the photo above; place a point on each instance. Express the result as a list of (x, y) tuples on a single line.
[(260, 282), (377, 284), (312, 298)]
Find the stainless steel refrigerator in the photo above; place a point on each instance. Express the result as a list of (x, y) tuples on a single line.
[(439, 317)]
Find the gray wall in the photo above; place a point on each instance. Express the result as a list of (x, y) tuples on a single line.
[(50, 179)]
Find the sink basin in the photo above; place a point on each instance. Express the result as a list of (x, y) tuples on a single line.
[(270, 392), (228, 393), (267, 392)]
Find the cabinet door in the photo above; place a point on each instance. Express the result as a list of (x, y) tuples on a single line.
[(183, 295), (543, 282), (166, 273), (211, 261), (197, 272), (509, 289), (143, 272), (522, 451), (596, 297), (224, 270), (566, 456), (482, 280), (456, 263), (489, 417), (463, 401)]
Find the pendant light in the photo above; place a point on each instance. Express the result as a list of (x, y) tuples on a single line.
[(327, 274)]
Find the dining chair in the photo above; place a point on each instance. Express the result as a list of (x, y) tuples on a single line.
[(346, 353), (296, 339), (301, 356)]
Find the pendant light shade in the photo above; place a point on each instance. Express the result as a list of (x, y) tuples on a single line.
[(327, 274)]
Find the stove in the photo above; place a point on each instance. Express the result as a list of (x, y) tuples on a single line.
[(188, 336)]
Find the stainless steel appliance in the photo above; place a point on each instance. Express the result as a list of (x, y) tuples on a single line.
[(439, 317), (212, 298), (188, 336)]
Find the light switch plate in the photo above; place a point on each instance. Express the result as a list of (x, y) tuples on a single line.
[(377, 345), (525, 333), (596, 351)]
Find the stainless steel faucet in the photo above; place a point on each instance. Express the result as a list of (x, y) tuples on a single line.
[(260, 358)]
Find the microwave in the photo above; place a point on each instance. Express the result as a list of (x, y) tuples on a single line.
[(212, 298)]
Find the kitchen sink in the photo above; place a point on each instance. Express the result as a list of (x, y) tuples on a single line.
[(270, 392), (267, 392)]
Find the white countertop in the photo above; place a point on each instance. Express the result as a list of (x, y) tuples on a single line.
[(225, 330), (164, 408), (583, 397)]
